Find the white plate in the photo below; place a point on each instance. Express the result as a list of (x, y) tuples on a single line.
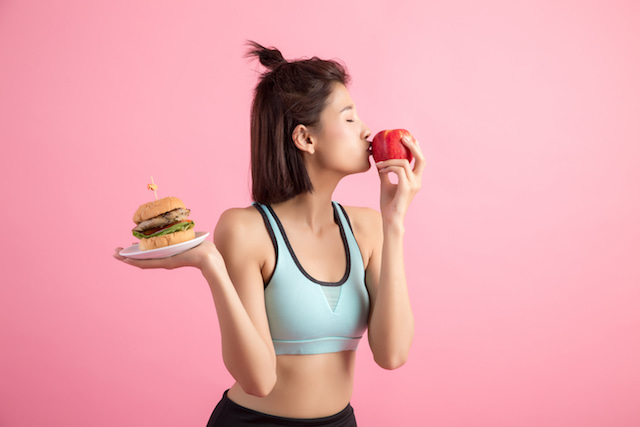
[(135, 252)]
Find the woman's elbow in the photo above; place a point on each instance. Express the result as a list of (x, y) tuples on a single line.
[(391, 362), (260, 388), (258, 391)]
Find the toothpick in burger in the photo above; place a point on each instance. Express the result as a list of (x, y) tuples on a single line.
[(161, 223)]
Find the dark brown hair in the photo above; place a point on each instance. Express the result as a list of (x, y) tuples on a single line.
[(288, 94)]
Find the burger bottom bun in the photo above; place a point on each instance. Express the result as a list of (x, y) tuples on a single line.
[(167, 240)]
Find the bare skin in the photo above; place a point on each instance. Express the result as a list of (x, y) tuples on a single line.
[(242, 259)]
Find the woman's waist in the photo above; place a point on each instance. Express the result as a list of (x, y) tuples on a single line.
[(307, 386)]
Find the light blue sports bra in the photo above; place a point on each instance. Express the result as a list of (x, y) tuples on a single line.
[(308, 316)]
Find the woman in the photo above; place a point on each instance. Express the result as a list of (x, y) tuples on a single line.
[(296, 278)]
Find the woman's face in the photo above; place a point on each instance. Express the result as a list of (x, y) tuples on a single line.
[(342, 139)]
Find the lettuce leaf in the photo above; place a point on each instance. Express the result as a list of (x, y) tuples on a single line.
[(181, 226)]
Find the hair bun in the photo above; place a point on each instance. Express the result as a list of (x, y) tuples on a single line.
[(269, 57)]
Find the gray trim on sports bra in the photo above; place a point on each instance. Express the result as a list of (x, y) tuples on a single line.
[(345, 245)]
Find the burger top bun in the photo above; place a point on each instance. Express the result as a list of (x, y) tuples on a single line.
[(157, 207)]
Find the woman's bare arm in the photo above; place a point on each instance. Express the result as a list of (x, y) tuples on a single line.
[(232, 268), (391, 323)]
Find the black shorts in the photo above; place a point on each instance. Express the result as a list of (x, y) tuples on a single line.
[(229, 414)]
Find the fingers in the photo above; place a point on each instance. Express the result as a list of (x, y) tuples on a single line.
[(144, 264), (400, 167), (405, 181), (117, 255), (131, 261), (148, 263), (391, 162), (414, 146), (413, 175)]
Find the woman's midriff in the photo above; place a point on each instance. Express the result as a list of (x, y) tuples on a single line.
[(308, 386)]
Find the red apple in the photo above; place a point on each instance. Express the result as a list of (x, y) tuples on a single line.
[(387, 144)]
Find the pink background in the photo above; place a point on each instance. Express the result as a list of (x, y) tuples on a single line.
[(522, 248)]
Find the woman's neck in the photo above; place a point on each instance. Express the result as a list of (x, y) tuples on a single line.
[(313, 210)]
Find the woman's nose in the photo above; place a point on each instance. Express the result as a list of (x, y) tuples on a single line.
[(367, 132)]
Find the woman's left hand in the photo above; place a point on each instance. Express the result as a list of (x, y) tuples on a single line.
[(396, 198)]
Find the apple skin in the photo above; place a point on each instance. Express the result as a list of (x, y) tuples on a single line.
[(387, 144)]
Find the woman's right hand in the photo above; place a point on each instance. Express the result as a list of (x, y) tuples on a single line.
[(237, 288), (200, 256)]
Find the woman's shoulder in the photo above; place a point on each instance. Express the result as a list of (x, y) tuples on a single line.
[(239, 225), (245, 216), (367, 229), (363, 216), (366, 222)]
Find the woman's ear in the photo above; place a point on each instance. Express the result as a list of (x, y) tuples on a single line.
[(303, 139)]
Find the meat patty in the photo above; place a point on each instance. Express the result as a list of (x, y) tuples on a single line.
[(161, 220)]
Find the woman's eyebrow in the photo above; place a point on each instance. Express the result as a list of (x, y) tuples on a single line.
[(348, 107)]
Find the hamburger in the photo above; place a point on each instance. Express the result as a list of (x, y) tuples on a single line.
[(161, 223)]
